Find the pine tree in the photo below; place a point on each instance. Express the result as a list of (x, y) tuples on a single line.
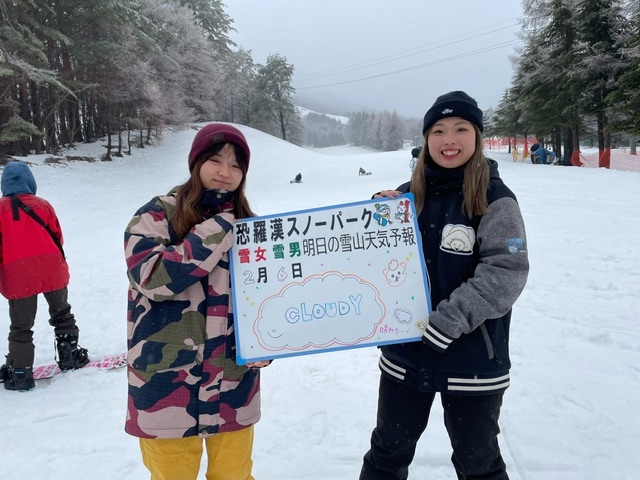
[(210, 15), (625, 100), (552, 90), (23, 66), (603, 31), (274, 108), (238, 85)]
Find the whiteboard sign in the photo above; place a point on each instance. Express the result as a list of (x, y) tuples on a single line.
[(330, 278)]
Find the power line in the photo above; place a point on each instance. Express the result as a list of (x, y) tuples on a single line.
[(402, 54), (416, 67)]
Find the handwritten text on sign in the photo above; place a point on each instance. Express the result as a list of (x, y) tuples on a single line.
[(336, 277)]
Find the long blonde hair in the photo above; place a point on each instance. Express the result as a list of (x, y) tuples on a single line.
[(475, 183), (189, 193)]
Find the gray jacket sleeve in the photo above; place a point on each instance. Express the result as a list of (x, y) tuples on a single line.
[(497, 282)]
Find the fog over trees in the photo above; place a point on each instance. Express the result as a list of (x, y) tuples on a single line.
[(121, 70)]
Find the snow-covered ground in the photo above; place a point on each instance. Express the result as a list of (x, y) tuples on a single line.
[(571, 412), (621, 159)]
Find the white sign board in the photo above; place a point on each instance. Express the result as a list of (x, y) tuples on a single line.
[(329, 278)]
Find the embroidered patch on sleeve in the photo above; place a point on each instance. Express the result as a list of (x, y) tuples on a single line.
[(516, 245)]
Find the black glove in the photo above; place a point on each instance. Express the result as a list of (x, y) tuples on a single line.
[(213, 202)]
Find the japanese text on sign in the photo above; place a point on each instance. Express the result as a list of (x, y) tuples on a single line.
[(336, 277)]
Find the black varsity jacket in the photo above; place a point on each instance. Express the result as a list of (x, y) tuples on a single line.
[(477, 268)]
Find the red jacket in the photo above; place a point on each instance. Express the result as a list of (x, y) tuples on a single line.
[(30, 261)]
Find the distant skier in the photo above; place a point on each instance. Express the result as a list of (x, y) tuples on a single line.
[(415, 153), (298, 179), (362, 171)]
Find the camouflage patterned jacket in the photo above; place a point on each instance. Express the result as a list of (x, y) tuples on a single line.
[(183, 377)]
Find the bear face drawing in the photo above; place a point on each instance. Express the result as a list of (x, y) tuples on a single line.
[(458, 239), (396, 274)]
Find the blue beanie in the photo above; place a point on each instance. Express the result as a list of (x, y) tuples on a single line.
[(453, 104)]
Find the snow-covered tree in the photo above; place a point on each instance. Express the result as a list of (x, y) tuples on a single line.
[(274, 108), (238, 87), (603, 32), (24, 67), (625, 100)]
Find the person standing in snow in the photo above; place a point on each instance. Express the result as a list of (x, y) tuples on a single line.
[(32, 262), (474, 244), (415, 153), (185, 387)]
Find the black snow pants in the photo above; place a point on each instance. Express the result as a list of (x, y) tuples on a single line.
[(403, 413), (22, 313)]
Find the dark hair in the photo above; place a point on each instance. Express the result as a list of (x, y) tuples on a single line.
[(190, 192)]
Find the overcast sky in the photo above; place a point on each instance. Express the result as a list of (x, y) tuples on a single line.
[(385, 54)]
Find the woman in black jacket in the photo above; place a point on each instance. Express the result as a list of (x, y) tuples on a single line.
[(474, 244)]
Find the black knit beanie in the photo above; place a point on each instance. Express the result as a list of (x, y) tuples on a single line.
[(453, 104)]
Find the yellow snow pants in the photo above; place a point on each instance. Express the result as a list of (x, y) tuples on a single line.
[(229, 456)]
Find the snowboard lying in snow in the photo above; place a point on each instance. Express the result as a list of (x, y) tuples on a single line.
[(107, 362)]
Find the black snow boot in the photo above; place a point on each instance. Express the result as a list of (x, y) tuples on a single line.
[(18, 378), (4, 373), (70, 354)]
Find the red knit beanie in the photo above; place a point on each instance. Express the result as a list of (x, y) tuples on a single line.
[(213, 134)]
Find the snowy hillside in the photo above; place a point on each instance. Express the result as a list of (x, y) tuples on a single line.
[(571, 411)]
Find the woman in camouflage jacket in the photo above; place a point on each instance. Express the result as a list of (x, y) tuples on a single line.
[(184, 382)]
